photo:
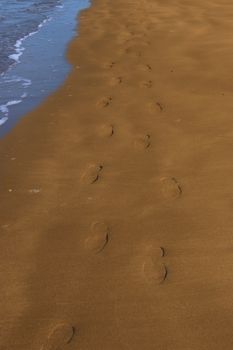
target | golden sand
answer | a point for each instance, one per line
(117, 192)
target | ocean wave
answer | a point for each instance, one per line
(4, 108)
(8, 79)
(19, 43)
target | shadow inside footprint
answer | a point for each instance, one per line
(132, 50)
(154, 107)
(59, 336)
(115, 81)
(147, 84)
(110, 65)
(104, 102)
(98, 238)
(142, 142)
(162, 252)
(171, 188)
(160, 106)
(106, 130)
(145, 67)
(92, 174)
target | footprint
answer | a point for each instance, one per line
(154, 271)
(104, 102)
(106, 130)
(171, 188)
(148, 84)
(142, 142)
(99, 237)
(153, 106)
(115, 81)
(135, 39)
(92, 174)
(133, 51)
(59, 336)
(146, 67)
(153, 268)
(160, 106)
(110, 65)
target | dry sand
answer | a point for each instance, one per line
(117, 193)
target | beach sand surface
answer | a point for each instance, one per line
(117, 192)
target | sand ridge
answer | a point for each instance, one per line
(116, 193)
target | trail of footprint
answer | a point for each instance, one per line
(104, 102)
(92, 174)
(171, 189)
(99, 237)
(106, 130)
(142, 142)
(59, 336)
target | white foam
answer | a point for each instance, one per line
(42, 23)
(14, 102)
(16, 56)
(26, 82)
(24, 95)
(3, 120)
(4, 108)
(15, 79)
(11, 80)
(18, 45)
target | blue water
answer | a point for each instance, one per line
(32, 54)
(18, 18)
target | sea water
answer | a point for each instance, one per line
(34, 35)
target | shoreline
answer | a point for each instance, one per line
(19, 45)
(42, 67)
(116, 192)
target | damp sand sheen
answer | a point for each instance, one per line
(116, 193)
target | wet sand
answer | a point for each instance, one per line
(117, 193)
